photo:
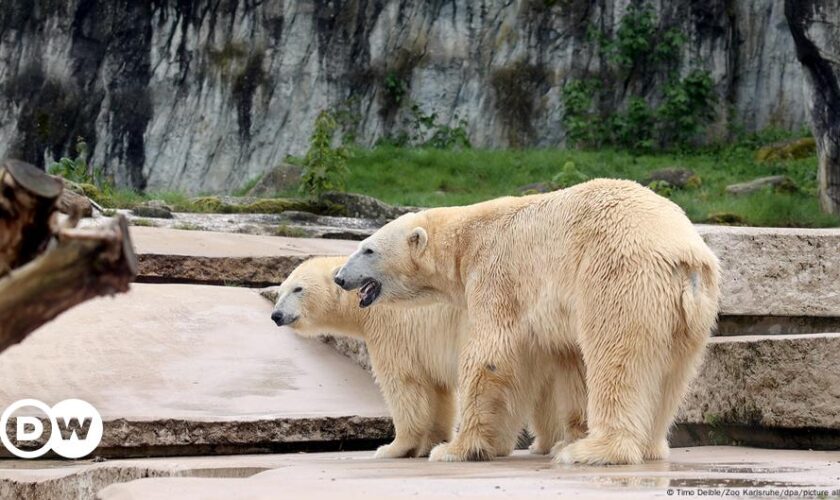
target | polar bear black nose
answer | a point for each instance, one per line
(339, 281)
(277, 317)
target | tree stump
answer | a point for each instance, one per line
(47, 265)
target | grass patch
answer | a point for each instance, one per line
(446, 177)
(435, 177)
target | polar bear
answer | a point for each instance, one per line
(606, 268)
(414, 353)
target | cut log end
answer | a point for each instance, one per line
(47, 267)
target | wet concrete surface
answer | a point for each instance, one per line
(705, 471)
(150, 240)
(190, 360)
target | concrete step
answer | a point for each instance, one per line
(777, 271)
(181, 256)
(775, 391)
(177, 369)
(784, 276)
(778, 391)
(356, 475)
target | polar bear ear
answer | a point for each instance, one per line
(418, 238)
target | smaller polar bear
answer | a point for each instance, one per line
(414, 352)
(606, 273)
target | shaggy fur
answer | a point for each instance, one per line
(605, 275)
(414, 353)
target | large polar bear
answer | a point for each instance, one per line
(414, 354)
(606, 267)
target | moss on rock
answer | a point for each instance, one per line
(787, 150)
(215, 204)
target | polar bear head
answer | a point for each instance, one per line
(308, 299)
(392, 265)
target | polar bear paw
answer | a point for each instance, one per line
(400, 450)
(454, 452)
(658, 451)
(601, 451)
(540, 447)
(443, 453)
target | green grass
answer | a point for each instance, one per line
(434, 177)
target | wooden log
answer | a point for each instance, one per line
(27, 201)
(82, 265)
(46, 264)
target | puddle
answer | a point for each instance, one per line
(734, 468)
(728, 482)
(681, 482)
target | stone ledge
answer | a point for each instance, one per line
(772, 383)
(766, 271)
(237, 271)
(777, 271)
(129, 438)
(779, 381)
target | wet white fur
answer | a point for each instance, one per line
(414, 353)
(606, 274)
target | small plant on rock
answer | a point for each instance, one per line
(77, 169)
(662, 188)
(568, 176)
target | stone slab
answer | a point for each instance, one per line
(173, 255)
(192, 365)
(773, 390)
(777, 271)
(357, 475)
(778, 381)
(299, 224)
(766, 271)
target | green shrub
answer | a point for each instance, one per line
(688, 106)
(568, 176)
(325, 166)
(77, 169)
(641, 49)
(662, 188)
(424, 130)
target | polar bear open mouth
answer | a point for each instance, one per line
(369, 292)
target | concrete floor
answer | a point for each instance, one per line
(709, 470)
(185, 352)
(152, 240)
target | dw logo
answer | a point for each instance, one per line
(75, 428)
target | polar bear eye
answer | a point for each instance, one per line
(368, 251)
(297, 289)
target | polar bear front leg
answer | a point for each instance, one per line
(489, 402)
(411, 405)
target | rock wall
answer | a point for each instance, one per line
(203, 95)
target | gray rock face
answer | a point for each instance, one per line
(204, 96)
